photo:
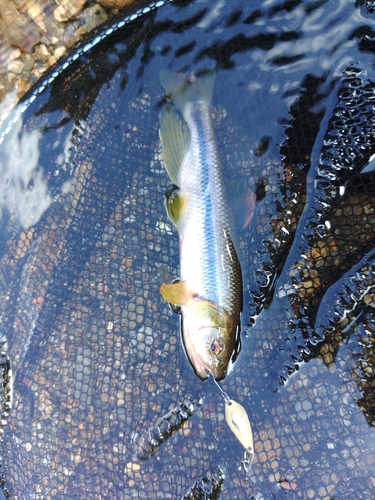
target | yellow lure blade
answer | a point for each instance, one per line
(239, 423)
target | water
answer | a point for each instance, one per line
(97, 364)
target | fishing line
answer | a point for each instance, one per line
(223, 393)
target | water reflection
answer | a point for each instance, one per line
(24, 190)
(95, 352)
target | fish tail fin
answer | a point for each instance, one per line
(183, 92)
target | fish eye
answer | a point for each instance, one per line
(217, 347)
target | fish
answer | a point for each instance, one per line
(210, 291)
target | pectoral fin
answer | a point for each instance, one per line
(175, 203)
(239, 423)
(176, 293)
(175, 140)
(242, 200)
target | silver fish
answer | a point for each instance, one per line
(210, 290)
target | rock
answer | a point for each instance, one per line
(92, 17)
(37, 15)
(17, 29)
(41, 53)
(15, 54)
(59, 51)
(68, 9)
(16, 66)
(115, 4)
(29, 64)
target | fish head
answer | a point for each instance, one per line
(209, 336)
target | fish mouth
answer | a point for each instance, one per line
(200, 371)
(219, 372)
(203, 371)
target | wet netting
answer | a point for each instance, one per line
(98, 398)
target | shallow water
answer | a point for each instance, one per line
(95, 352)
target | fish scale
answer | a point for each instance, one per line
(208, 210)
